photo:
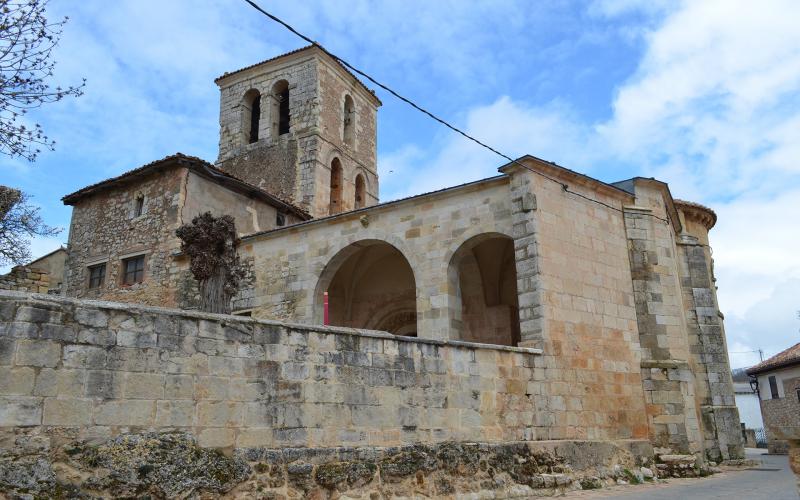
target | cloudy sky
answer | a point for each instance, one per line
(703, 94)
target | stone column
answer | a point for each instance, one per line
(667, 378)
(523, 209)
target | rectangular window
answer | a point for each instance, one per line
(773, 387)
(133, 270)
(798, 395)
(97, 275)
(138, 207)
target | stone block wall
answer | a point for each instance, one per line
(297, 165)
(120, 400)
(576, 302)
(108, 368)
(26, 279)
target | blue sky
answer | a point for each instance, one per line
(704, 95)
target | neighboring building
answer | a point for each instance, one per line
(779, 390)
(614, 282)
(749, 405)
(43, 275)
(53, 264)
(122, 242)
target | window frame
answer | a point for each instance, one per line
(102, 277)
(773, 387)
(138, 205)
(137, 273)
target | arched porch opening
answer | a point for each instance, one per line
(370, 285)
(483, 274)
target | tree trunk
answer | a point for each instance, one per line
(212, 293)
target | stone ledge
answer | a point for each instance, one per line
(226, 318)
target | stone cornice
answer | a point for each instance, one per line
(697, 213)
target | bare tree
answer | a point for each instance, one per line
(19, 221)
(27, 40)
(210, 242)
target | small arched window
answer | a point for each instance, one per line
(360, 191)
(349, 116)
(336, 187)
(280, 108)
(252, 114)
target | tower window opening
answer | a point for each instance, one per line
(281, 120)
(336, 187)
(349, 119)
(255, 118)
(360, 191)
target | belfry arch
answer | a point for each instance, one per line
(483, 280)
(370, 285)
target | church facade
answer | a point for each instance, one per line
(613, 282)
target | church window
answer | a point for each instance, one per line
(336, 187)
(138, 206)
(349, 116)
(280, 108)
(360, 191)
(280, 219)
(252, 115)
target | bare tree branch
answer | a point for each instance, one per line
(27, 41)
(19, 221)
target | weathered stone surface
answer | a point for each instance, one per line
(169, 465)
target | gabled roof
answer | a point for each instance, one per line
(789, 357)
(566, 173)
(59, 249)
(307, 48)
(196, 165)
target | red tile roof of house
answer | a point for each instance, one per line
(195, 164)
(789, 357)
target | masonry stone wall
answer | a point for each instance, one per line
(26, 279)
(234, 381)
(104, 230)
(575, 278)
(297, 165)
(782, 414)
(706, 337)
(121, 400)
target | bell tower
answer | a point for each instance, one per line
(303, 128)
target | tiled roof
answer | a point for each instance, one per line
(789, 357)
(295, 51)
(194, 163)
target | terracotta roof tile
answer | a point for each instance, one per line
(790, 356)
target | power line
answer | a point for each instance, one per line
(411, 103)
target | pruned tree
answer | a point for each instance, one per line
(210, 242)
(19, 221)
(27, 40)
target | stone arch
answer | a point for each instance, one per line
(371, 284)
(348, 121)
(280, 112)
(336, 187)
(251, 115)
(482, 285)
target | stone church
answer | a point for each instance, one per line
(617, 299)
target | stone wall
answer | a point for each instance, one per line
(123, 400)
(782, 414)
(238, 382)
(26, 279)
(706, 336)
(297, 165)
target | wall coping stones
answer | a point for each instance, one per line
(182, 313)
